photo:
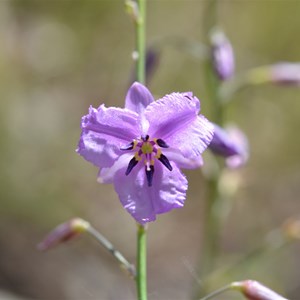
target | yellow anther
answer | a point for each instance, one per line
(158, 154)
(136, 156)
(135, 142)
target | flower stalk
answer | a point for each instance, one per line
(141, 278)
(114, 252)
(140, 41)
(213, 205)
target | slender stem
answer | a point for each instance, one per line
(212, 217)
(212, 226)
(217, 292)
(141, 278)
(115, 253)
(140, 41)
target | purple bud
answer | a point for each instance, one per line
(222, 55)
(63, 232)
(285, 73)
(253, 290)
(231, 144)
(152, 62)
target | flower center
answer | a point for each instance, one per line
(147, 150)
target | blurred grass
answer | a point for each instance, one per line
(59, 57)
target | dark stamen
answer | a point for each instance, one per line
(145, 138)
(133, 162)
(127, 147)
(162, 143)
(164, 160)
(149, 174)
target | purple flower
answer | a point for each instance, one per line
(223, 55)
(231, 144)
(141, 148)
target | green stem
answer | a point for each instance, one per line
(217, 292)
(141, 278)
(212, 217)
(110, 247)
(140, 41)
(212, 226)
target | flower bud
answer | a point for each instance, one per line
(64, 232)
(253, 290)
(231, 144)
(285, 73)
(222, 55)
(151, 63)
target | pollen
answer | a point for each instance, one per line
(147, 148)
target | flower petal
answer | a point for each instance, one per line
(104, 131)
(106, 175)
(175, 119)
(138, 98)
(181, 161)
(168, 191)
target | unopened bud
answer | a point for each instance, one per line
(152, 62)
(64, 232)
(254, 290)
(285, 73)
(222, 55)
(230, 143)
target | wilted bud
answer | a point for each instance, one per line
(131, 8)
(231, 144)
(222, 55)
(285, 73)
(291, 228)
(64, 232)
(253, 290)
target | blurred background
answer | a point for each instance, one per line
(59, 57)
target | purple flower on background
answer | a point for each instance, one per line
(222, 55)
(231, 144)
(141, 148)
